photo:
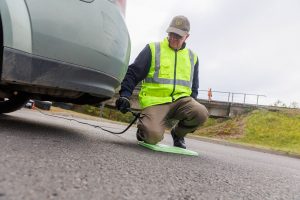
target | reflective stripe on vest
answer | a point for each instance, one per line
(156, 79)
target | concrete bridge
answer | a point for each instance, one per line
(215, 108)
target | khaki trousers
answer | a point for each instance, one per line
(152, 124)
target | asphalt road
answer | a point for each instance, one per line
(48, 158)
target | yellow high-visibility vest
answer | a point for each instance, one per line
(170, 76)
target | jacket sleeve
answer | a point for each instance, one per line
(136, 72)
(195, 85)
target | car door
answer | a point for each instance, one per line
(82, 32)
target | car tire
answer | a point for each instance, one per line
(14, 103)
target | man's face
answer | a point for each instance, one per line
(176, 41)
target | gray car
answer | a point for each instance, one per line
(73, 51)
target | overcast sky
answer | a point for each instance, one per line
(246, 46)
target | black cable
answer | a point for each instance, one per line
(136, 116)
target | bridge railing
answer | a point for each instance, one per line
(231, 97)
(223, 104)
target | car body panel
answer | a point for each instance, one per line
(99, 21)
(63, 50)
(16, 25)
(32, 71)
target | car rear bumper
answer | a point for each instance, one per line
(21, 68)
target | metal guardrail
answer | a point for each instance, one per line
(231, 96)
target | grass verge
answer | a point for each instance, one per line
(261, 128)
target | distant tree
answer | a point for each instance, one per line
(294, 104)
(279, 103)
(283, 105)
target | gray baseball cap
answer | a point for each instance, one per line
(179, 25)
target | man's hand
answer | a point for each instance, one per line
(123, 104)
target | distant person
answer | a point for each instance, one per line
(209, 94)
(169, 74)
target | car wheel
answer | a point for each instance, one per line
(13, 103)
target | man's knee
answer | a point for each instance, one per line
(154, 138)
(201, 114)
(152, 135)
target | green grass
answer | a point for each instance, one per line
(261, 128)
(221, 128)
(276, 130)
